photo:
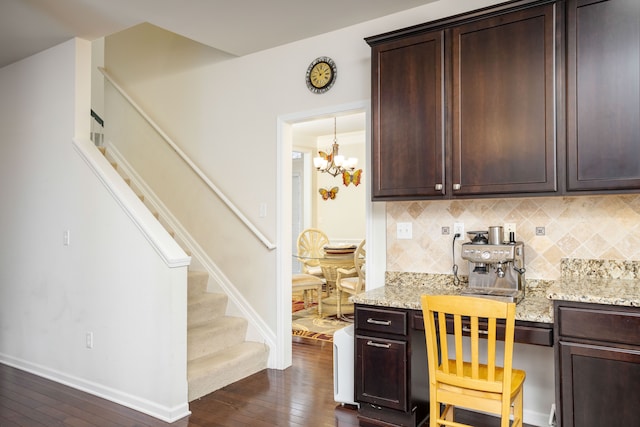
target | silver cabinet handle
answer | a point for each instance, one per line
(456, 186)
(468, 329)
(379, 322)
(438, 187)
(375, 344)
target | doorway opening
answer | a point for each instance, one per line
(372, 222)
(334, 204)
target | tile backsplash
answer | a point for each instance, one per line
(584, 227)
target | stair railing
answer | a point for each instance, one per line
(190, 163)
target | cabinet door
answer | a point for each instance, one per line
(603, 94)
(504, 104)
(598, 385)
(408, 141)
(381, 372)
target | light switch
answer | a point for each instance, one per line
(404, 230)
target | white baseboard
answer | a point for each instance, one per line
(164, 413)
(539, 419)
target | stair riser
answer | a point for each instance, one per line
(217, 338)
(206, 310)
(223, 369)
(197, 284)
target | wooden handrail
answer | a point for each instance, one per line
(188, 161)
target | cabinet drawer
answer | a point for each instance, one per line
(381, 320)
(618, 324)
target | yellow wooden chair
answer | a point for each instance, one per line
(351, 281)
(470, 384)
(310, 246)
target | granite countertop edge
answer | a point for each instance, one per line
(621, 292)
(403, 290)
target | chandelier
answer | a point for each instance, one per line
(333, 163)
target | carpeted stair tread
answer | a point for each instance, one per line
(205, 308)
(212, 337)
(215, 371)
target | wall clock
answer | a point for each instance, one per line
(321, 74)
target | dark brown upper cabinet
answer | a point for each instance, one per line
(503, 125)
(603, 95)
(466, 106)
(408, 139)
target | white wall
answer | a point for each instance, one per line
(108, 281)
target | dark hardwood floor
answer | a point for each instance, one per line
(301, 395)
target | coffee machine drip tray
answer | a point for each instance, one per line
(500, 294)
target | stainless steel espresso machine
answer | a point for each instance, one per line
(496, 266)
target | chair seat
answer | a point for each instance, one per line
(517, 380)
(307, 282)
(315, 271)
(349, 283)
(301, 280)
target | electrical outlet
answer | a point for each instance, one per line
(540, 231)
(66, 238)
(458, 228)
(404, 230)
(445, 231)
(509, 227)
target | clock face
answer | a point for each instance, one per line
(321, 75)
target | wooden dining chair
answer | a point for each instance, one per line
(310, 246)
(469, 383)
(307, 283)
(351, 281)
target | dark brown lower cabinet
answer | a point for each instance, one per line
(391, 362)
(391, 371)
(597, 365)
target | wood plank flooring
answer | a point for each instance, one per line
(301, 395)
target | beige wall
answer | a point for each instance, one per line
(606, 227)
(343, 218)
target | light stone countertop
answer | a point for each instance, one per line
(598, 281)
(584, 280)
(597, 290)
(403, 290)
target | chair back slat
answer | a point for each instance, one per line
(442, 326)
(475, 353)
(491, 349)
(458, 349)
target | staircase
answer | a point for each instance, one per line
(217, 353)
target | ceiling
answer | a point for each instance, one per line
(237, 27)
(324, 125)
